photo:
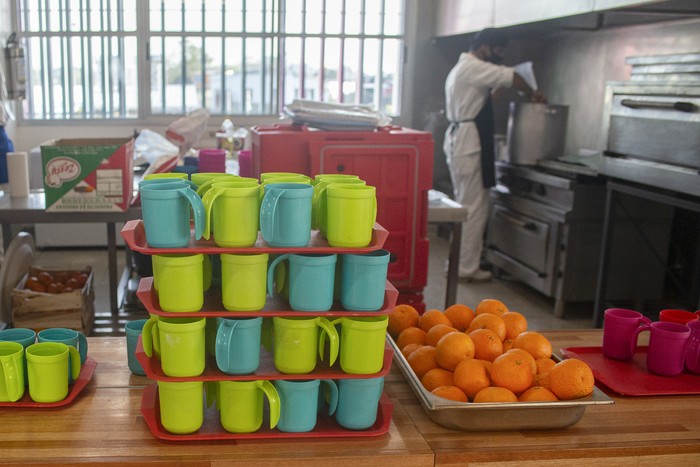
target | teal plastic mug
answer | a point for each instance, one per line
(157, 181)
(13, 371)
(241, 405)
(181, 406)
(47, 365)
(179, 281)
(299, 403)
(133, 330)
(358, 402)
(180, 343)
(235, 209)
(298, 343)
(243, 281)
(363, 280)
(24, 336)
(285, 214)
(238, 345)
(166, 214)
(362, 342)
(311, 280)
(350, 215)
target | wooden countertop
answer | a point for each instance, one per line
(104, 424)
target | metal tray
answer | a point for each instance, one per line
(502, 416)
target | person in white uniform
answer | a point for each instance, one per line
(468, 143)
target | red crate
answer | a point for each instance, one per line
(397, 161)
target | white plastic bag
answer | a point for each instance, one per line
(186, 131)
(150, 146)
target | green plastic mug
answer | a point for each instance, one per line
(166, 175)
(179, 281)
(350, 215)
(180, 342)
(241, 405)
(47, 365)
(205, 187)
(243, 281)
(12, 368)
(362, 342)
(319, 201)
(298, 343)
(181, 406)
(235, 209)
(265, 176)
(200, 178)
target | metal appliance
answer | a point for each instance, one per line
(536, 132)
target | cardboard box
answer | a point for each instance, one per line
(41, 310)
(88, 174)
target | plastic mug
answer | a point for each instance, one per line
(692, 358)
(265, 176)
(68, 337)
(619, 328)
(238, 345)
(678, 316)
(358, 402)
(319, 203)
(667, 347)
(179, 281)
(299, 403)
(181, 406)
(166, 176)
(180, 343)
(311, 280)
(298, 343)
(48, 364)
(133, 330)
(285, 214)
(363, 280)
(157, 181)
(166, 214)
(362, 342)
(350, 215)
(207, 271)
(241, 405)
(235, 208)
(321, 177)
(243, 281)
(204, 188)
(13, 371)
(24, 336)
(200, 178)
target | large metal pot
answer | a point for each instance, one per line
(536, 131)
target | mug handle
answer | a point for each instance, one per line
(15, 387)
(273, 398)
(223, 336)
(197, 209)
(74, 356)
(266, 334)
(271, 273)
(268, 207)
(82, 347)
(203, 189)
(332, 333)
(211, 392)
(208, 203)
(147, 339)
(635, 336)
(333, 403)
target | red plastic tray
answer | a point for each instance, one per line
(84, 378)
(135, 237)
(631, 378)
(326, 427)
(214, 308)
(266, 370)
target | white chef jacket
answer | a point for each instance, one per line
(466, 89)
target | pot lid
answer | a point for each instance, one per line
(16, 263)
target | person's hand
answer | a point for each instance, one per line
(539, 97)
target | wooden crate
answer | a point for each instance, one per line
(40, 310)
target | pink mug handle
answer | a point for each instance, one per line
(645, 327)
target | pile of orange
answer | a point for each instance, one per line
(484, 354)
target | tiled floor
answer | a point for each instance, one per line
(536, 307)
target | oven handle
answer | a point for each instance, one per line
(679, 105)
(518, 222)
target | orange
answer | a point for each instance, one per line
(452, 349)
(535, 343)
(450, 392)
(432, 317)
(508, 344)
(460, 315)
(515, 324)
(491, 305)
(422, 360)
(537, 394)
(487, 364)
(571, 379)
(542, 379)
(512, 371)
(544, 364)
(529, 358)
(495, 394)
(471, 377)
(436, 332)
(410, 336)
(437, 377)
(408, 348)
(487, 345)
(489, 321)
(401, 317)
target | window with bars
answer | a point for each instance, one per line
(128, 59)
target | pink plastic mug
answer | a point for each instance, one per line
(667, 347)
(692, 356)
(678, 316)
(619, 332)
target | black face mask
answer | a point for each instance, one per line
(494, 57)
